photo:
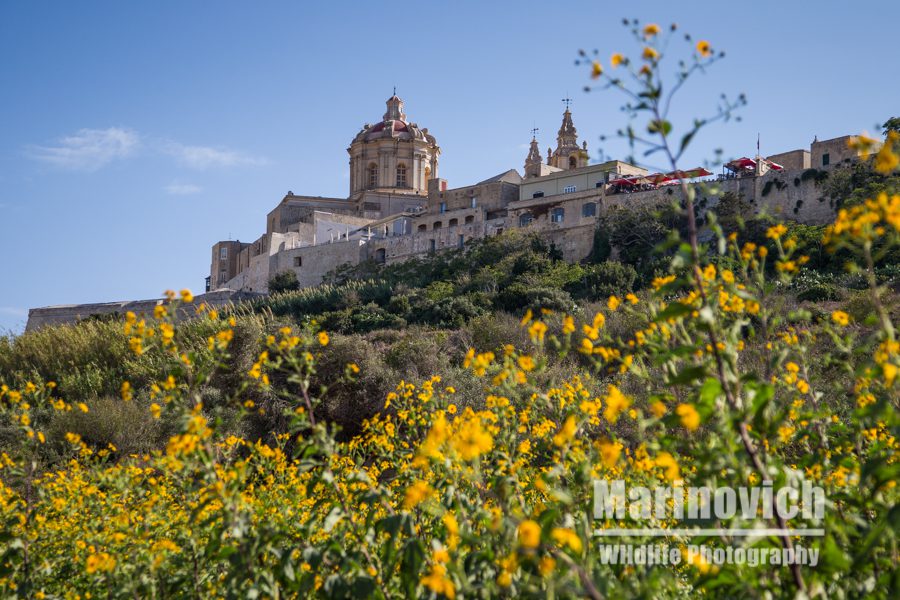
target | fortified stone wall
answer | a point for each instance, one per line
(72, 313)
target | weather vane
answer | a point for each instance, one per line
(534, 131)
(568, 101)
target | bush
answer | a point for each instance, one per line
(285, 281)
(520, 297)
(603, 280)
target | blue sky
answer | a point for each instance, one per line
(135, 135)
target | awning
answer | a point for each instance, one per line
(740, 164)
(658, 178)
(622, 181)
(689, 174)
(774, 165)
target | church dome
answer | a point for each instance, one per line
(393, 126)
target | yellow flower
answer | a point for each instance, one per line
(155, 410)
(187, 296)
(651, 30)
(416, 493)
(537, 331)
(567, 537)
(616, 402)
(886, 161)
(568, 325)
(529, 534)
(566, 433)
(669, 465)
(100, 562)
(126, 391)
(658, 409)
(632, 298)
(613, 303)
(840, 317)
(504, 579)
(609, 453)
(616, 60)
(323, 338)
(704, 49)
(526, 363)
(690, 418)
(82, 407)
(890, 373)
(438, 582)
(776, 231)
(650, 54)
(596, 70)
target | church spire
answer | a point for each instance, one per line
(568, 154)
(534, 160)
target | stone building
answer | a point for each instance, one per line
(398, 207)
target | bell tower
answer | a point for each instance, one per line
(568, 154)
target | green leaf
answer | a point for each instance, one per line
(710, 391)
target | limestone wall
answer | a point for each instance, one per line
(72, 313)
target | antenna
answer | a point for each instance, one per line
(395, 90)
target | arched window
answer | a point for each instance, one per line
(572, 162)
(557, 215)
(422, 227)
(525, 219)
(401, 175)
(380, 256)
(373, 175)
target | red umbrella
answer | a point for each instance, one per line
(658, 178)
(774, 165)
(741, 163)
(690, 174)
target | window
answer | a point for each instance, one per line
(298, 261)
(525, 219)
(470, 219)
(572, 162)
(453, 223)
(432, 245)
(380, 256)
(461, 240)
(589, 209)
(437, 225)
(569, 189)
(538, 195)
(557, 215)
(422, 227)
(443, 207)
(599, 184)
(474, 202)
(401, 176)
(826, 158)
(373, 175)
(223, 253)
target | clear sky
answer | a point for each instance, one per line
(133, 136)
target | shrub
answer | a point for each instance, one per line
(285, 281)
(603, 280)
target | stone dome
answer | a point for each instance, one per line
(393, 126)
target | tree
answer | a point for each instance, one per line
(892, 124)
(285, 281)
